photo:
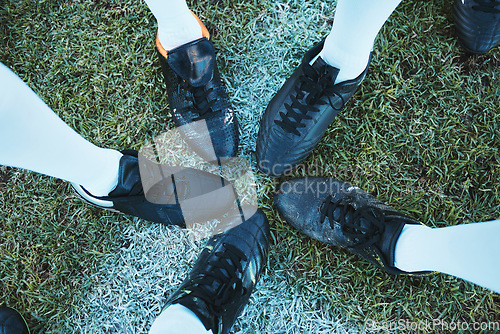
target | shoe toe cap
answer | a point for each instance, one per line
(296, 203)
(278, 156)
(303, 215)
(11, 321)
(299, 202)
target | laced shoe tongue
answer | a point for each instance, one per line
(205, 100)
(345, 212)
(209, 301)
(316, 81)
(215, 289)
(222, 282)
(200, 308)
(329, 72)
(324, 77)
(129, 180)
(357, 222)
(201, 305)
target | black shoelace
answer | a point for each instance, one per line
(203, 98)
(363, 226)
(226, 271)
(487, 6)
(312, 86)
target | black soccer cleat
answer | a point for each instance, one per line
(12, 322)
(128, 196)
(195, 92)
(172, 192)
(477, 23)
(299, 114)
(225, 274)
(340, 214)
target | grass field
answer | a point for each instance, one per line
(422, 133)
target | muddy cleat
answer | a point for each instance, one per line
(477, 23)
(12, 322)
(225, 274)
(340, 214)
(299, 114)
(195, 93)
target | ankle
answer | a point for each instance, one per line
(178, 319)
(349, 67)
(350, 62)
(179, 31)
(107, 180)
(414, 248)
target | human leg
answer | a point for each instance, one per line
(33, 137)
(299, 114)
(468, 251)
(178, 319)
(176, 23)
(340, 214)
(355, 27)
(221, 281)
(196, 94)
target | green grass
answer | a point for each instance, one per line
(422, 133)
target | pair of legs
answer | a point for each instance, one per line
(466, 251)
(452, 250)
(78, 161)
(31, 132)
(339, 214)
(34, 138)
(348, 47)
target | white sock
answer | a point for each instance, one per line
(355, 26)
(33, 137)
(468, 251)
(176, 23)
(177, 319)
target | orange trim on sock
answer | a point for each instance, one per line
(204, 29)
(160, 48)
(204, 32)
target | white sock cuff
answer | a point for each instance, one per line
(111, 160)
(342, 58)
(407, 254)
(178, 319)
(173, 38)
(176, 23)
